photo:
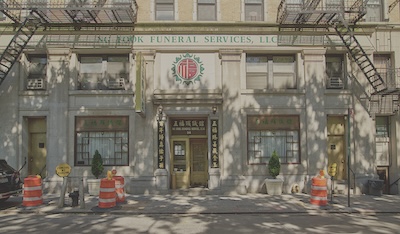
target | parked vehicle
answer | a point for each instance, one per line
(10, 181)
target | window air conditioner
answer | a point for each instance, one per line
(118, 83)
(35, 84)
(335, 82)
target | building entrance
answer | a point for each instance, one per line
(189, 152)
(336, 145)
(189, 163)
(37, 147)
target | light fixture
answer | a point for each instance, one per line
(214, 110)
(160, 114)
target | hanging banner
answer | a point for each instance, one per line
(214, 144)
(140, 98)
(161, 144)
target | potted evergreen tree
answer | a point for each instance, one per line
(97, 169)
(274, 185)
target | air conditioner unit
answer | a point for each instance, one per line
(35, 84)
(118, 83)
(335, 83)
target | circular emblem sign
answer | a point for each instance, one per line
(63, 170)
(187, 69)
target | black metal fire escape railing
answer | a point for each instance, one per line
(342, 17)
(30, 16)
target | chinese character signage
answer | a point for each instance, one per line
(273, 122)
(189, 126)
(104, 123)
(214, 144)
(161, 144)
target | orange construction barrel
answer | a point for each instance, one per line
(107, 196)
(319, 193)
(32, 191)
(119, 188)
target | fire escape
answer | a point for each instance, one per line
(29, 16)
(341, 16)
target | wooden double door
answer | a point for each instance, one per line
(189, 167)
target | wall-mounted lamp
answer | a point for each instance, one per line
(160, 114)
(214, 110)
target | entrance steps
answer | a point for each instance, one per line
(198, 191)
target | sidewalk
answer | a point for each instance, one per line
(217, 204)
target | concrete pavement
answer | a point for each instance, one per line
(215, 204)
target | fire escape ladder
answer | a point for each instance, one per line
(393, 5)
(5, 9)
(14, 49)
(361, 58)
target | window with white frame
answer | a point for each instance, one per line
(103, 72)
(266, 134)
(37, 70)
(335, 75)
(164, 9)
(107, 134)
(374, 11)
(206, 10)
(254, 10)
(271, 72)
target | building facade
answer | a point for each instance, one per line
(199, 93)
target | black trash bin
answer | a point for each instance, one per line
(375, 187)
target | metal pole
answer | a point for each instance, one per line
(348, 156)
(81, 194)
(63, 191)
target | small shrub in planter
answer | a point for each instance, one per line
(97, 164)
(274, 165)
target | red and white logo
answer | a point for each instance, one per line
(187, 69)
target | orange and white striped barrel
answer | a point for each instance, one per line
(32, 191)
(319, 193)
(119, 188)
(107, 195)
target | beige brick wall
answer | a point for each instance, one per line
(185, 10)
(272, 10)
(144, 10)
(230, 10)
(394, 15)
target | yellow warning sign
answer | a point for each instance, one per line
(63, 170)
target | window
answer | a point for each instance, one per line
(383, 65)
(335, 72)
(108, 135)
(164, 9)
(36, 72)
(271, 72)
(254, 10)
(103, 72)
(267, 134)
(382, 139)
(374, 11)
(206, 10)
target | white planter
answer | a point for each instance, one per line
(274, 186)
(93, 186)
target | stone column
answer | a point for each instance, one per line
(316, 117)
(231, 146)
(57, 121)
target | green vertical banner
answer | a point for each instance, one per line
(140, 98)
(214, 144)
(161, 144)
